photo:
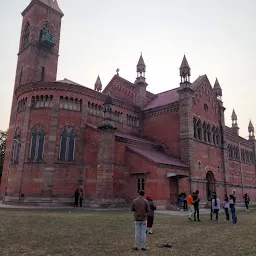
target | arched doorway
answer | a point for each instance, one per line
(210, 185)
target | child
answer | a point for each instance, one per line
(226, 206)
(216, 206)
(233, 208)
(150, 215)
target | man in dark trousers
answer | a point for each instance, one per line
(212, 196)
(196, 206)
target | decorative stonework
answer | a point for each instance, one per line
(43, 101)
(70, 103)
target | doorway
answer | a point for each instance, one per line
(210, 185)
(174, 190)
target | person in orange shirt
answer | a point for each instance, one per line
(191, 202)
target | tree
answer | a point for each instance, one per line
(3, 140)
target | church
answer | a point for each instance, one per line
(114, 141)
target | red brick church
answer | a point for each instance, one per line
(115, 141)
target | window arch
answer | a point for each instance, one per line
(16, 146)
(214, 135)
(199, 130)
(67, 144)
(217, 136)
(37, 143)
(25, 37)
(205, 131)
(209, 133)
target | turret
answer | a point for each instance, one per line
(98, 85)
(251, 131)
(217, 89)
(184, 71)
(234, 127)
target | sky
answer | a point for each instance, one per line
(99, 36)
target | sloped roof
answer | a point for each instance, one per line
(163, 98)
(67, 81)
(53, 4)
(198, 81)
(132, 137)
(157, 156)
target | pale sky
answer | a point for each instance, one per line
(99, 36)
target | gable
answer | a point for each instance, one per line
(121, 88)
(205, 104)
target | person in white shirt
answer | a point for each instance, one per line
(216, 206)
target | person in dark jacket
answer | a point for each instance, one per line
(140, 208)
(76, 198)
(196, 206)
(246, 201)
(150, 215)
(81, 197)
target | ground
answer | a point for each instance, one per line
(83, 232)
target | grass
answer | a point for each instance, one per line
(58, 232)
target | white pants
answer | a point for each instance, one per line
(191, 210)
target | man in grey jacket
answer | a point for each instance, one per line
(140, 208)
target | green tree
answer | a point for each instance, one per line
(3, 140)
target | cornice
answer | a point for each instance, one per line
(79, 89)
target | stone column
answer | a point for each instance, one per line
(49, 156)
(187, 144)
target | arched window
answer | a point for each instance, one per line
(217, 136)
(25, 36)
(37, 143)
(16, 146)
(214, 135)
(195, 128)
(140, 184)
(199, 130)
(67, 145)
(205, 131)
(209, 133)
(46, 36)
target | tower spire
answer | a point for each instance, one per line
(184, 70)
(141, 67)
(98, 84)
(235, 127)
(217, 89)
(251, 131)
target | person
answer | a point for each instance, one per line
(81, 197)
(185, 202)
(216, 206)
(179, 202)
(246, 201)
(211, 197)
(196, 206)
(140, 207)
(233, 208)
(76, 198)
(191, 205)
(234, 197)
(226, 206)
(150, 215)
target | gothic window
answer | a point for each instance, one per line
(16, 146)
(242, 155)
(25, 37)
(217, 136)
(37, 143)
(236, 153)
(45, 31)
(199, 130)
(205, 131)
(140, 184)
(195, 128)
(209, 134)
(67, 145)
(214, 135)
(42, 73)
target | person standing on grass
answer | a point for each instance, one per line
(140, 207)
(196, 206)
(233, 209)
(150, 215)
(81, 197)
(211, 197)
(226, 206)
(76, 198)
(191, 202)
(246, 202)
(216, 206)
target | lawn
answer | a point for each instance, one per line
(81, 232)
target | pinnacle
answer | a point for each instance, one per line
(250, 124)
(141, 61)
(184, 63)
(98, 81)
(216, 84)
(234, 116)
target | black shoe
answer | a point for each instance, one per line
(199, 220)
(143, 249)
(135, 248)
(189, 219)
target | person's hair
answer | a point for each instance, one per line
(215, 199)
(141, 193)
(231, 196)
(197, 192)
